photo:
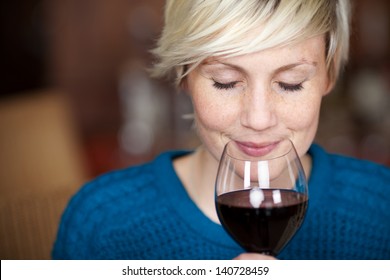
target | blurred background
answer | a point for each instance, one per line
(76, 101)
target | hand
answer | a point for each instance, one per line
(254, 256)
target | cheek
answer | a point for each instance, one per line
(304, 111)
(213, 112)
(303, 122)
(305, 114)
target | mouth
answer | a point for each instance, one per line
(257, 149)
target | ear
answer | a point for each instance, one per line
(331, 82)
(331, 78)
(183, 84)
(182, 87)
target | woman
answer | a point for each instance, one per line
(250, 67)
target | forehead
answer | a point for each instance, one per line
(307, 52)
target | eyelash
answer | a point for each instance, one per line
(227, 86)
(291, 87)
(284, 86)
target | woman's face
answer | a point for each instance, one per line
(268, 94)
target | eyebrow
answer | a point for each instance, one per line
(216, 62)
(278, 70)
(293, 65)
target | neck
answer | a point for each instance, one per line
(307, 164)
(197, 172)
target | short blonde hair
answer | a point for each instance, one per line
(198, 29)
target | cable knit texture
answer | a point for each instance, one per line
(144, 212)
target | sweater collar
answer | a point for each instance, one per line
(318, 183)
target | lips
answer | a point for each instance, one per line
(257, 150)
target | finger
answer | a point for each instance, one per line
(254, 256)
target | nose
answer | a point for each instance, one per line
(258, 112)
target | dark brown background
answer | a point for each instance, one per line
(75, 102)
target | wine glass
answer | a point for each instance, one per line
(261, 194)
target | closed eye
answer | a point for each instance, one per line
(290, 87)
(225, 86)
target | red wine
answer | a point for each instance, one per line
(268, 228)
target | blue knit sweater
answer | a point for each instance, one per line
(144, 212)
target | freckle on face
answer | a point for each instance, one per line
(219, 112)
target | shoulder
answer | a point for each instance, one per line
(117, 185)
(108, 202)
(353, 186)
(95, 208)
(108, 188)
(349, 169)
(347, 200)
